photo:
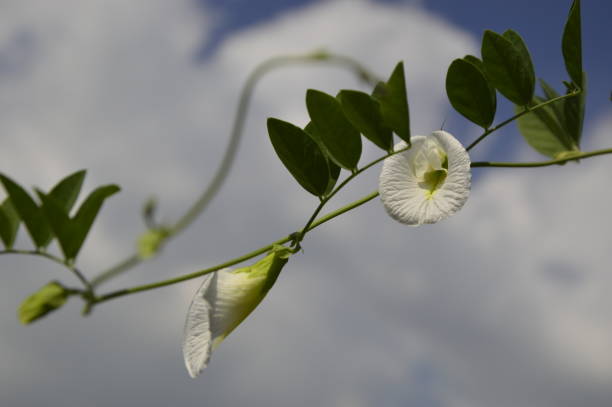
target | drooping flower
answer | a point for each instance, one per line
(225, 298)
(428, 182)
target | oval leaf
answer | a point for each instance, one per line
(526, 61)
(507, 69)
(363, 112)
(470, 93)
(338, 138)
(393, 101)
(301, 156)
(67, 190)
(574, 112)
(572, 44)
(31, 214)
(9, 223)
(538, 129)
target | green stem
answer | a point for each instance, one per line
(516, 116)
(326, 199)
(232, 147)
(88, 286)
(558, 161)
(313, 224)
(119, 268)
(261, 250)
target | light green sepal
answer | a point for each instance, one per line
(270, 267)
(49, 298)
(151, 242)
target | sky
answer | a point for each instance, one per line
(506, 303)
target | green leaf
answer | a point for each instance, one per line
(334, 170)
(334, 173)
(572, 44)
(337, 137)
(49, 298)
(364, 113)
(540, 129)
(469, 92)
(558, 109)
(574, 112)
(527, 63)
(394, 103)
(508, 67)
(301, 155)
(31, 214)
(67, 190)
(475, 61)
(71, 232)
(9, 223)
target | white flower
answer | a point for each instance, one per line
(223, 301)
(428, 182)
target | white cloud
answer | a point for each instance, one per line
(503, 304)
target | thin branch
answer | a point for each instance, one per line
(516, 116)
(559, 161)
(232, 147)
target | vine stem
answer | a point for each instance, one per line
(261, 250)
(326, 199)
(558, 161)
(516, 116)
(232, 147)
(312, 224)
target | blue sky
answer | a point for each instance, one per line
(504, 304)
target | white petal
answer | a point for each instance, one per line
(197, 340)
(222, 302)
(406, 200)
(234, 295)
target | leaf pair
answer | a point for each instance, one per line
(506, 66)
(51, 218)
(332, 139)
(556, 129)
(552, 130)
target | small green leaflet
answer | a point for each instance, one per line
(301, 156)
(337, 137)
(508, 66)
(469, 92)
(9, 223)
(393, 101)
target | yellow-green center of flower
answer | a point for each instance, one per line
(430, 166)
